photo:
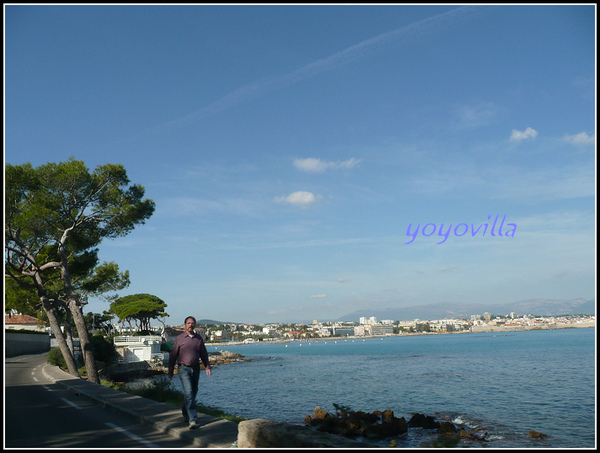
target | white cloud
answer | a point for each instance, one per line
(314, 165)
(311, 165)
(581, 139)
(473, 116)
(517, 136)
(318, 296)
(349, 163)
(450, 268)
(300, 198)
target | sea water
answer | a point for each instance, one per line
(505, 384)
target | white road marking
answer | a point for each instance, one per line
(133, 436)
(72, 403)
(48, 388)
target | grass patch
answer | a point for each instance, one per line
(218, 413)
(161, 392)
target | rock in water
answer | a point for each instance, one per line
(537, 435)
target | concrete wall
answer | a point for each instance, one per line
(25, 343)
(260, 433)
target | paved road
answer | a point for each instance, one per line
(42, 414)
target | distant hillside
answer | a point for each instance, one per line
(542, 307)
(201, 322)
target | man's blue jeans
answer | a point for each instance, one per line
(189, 381)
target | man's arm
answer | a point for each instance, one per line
(173, 357)
(204, 357)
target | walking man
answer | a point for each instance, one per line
(188, 350)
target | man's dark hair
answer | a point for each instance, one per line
(189, 318)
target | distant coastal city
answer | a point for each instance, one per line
(371, 326)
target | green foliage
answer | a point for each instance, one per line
(160, 391)
(99, 321)
(110, 384)
(56, 358)
(47, 205)
(48, 200)
(219, 413)
(341, 411)
(22, 299)
(103, 278)
(139, 307)
(104, 350)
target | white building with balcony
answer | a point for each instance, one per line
(139, 348)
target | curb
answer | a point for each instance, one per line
(213, 432)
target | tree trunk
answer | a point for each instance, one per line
(69, 331)
(60, 338)
(84, 340)
(72, 299)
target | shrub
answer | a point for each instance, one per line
(159, 390)
(56, 358)
(104, 350)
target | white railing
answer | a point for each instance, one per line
(137, 339)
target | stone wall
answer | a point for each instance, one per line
(25, 343)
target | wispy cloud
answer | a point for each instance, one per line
(313, 165)
(407, 35)
(473, 116)
(450, 268)
(517, 136)
(507, 182)
(189, 206)
(300, 198)
(581, 139)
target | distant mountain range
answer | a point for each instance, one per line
(541, 307)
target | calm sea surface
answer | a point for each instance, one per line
(505, 383)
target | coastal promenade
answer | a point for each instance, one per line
(213, 432)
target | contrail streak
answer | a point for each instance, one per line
(426, 28)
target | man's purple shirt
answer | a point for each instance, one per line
(188, 350)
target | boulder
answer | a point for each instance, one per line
(423, 421)
(261, 433)
(447, 428)
(320, 414)
(471, 435)
(537, 435)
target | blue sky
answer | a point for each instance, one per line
(289, 149)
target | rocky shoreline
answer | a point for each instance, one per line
(384, 426)
(123, 374)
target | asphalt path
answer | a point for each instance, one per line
(41, 414)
